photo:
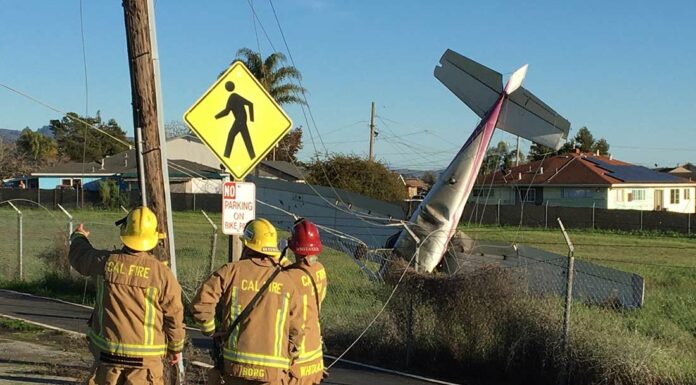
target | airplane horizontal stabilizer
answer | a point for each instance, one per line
(523, 114)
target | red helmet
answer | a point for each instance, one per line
(304, 238)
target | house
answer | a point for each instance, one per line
(184, 176)
(686, 171)
(193, 168)
(587, 180)
(415, 187)
(82, 175)
(194, 150)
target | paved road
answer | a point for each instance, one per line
(74, 317)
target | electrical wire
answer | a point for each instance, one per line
(130, 146)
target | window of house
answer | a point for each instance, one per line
(569, 192)
(687, 194)
(528, 195)
(478, 192)
(674, 196)
(620, 195)
(66, 182)
(636, 195)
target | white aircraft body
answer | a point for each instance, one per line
(511, 108)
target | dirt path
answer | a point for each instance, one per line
(37, 356)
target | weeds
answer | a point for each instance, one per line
(16, 325)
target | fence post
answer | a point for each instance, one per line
(70, 220)
(568, 300)
(546, 216)
(20, 243)
(497, 217)
(688, 224)
(213, 242)
(641, 220)
(593, 214)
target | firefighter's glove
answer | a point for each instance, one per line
(173, 358)
(80, 231)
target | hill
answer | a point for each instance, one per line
(8, 136)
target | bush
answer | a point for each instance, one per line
(55, 256)
(483, 324)
(353, 173)
(110, 195)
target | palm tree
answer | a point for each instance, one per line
(273, 76)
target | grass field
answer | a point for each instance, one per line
(664, 329)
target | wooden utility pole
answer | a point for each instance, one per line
(147, 115)
(372, 133)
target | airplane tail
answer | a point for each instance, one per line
(479, 87)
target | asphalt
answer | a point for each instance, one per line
(72, 317)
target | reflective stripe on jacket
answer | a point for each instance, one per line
(262, 346)
(138, 310)
(309, 365)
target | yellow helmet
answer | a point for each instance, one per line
(260, 236)
(140, 230)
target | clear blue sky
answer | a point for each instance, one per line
(625, 69)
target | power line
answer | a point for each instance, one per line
(253, 11)
(65, 114)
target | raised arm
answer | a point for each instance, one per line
(82, 256)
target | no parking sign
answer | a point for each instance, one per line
(238, 206)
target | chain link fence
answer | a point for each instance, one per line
(500, 311)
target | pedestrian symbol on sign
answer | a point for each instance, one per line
(236, 104)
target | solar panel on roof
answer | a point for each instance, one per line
(632, 173)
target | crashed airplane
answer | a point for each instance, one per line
(511, 108)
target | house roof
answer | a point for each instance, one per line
(114, 164)
(686, 171)
(579, 169)
(124, 164)
(415, 182)
(287, 168)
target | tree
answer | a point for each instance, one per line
(601, 146)
(176, 129)
(353, 173)
(288, 147)
(429, 178)
(539, 151)
(583, 140)
(37, 147)
(77, 141)
(496, 157)
(13, 162)
(273, 76)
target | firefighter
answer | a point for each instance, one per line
(138, 316)
(261, 346)
(309, 276)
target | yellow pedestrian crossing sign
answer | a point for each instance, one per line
(238, 120)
